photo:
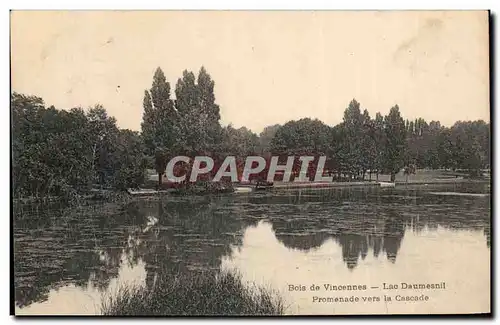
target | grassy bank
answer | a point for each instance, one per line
(194, 294)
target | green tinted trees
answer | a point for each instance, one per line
(395, 135)
(61, 153)
(56, 152)
(160, 121)
(379, 142)
(353, 137)
(51, 149)
(266, 136)
(305, 136)
(199, 115)
(240, 142)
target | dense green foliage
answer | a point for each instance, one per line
(68, 152)
(64, 152)
(190, 125)
(221, 293)
(240, 142)
(159, 118)
(386, 144)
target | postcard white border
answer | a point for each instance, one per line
(191, 5)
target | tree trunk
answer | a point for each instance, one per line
(370, 175)
(393, 177)
(377, 175)
(159, 180)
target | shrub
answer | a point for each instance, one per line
(210, 293)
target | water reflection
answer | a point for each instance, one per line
(59, 251)
(373, 219)
(57, 247)
(355, 235)
(457, 257)
(73, 299)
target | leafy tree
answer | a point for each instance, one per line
(187, 105)
(129, 161)
(395, 133)
(240, 142)
(210, 110)
(66, 152)
(470, 145)
(368, 145)
(161, 161)
(266, 136)
(51, 148)
(159, 122)
(380, 142)
(199, 114)
(339, 150)
(148, 124)
(304, 136)
(353, 124)
(102, 133)
(432, 143)
(445, 149)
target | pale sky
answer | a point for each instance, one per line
(268, 67)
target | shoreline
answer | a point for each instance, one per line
(145, 192)
(250, 188)
(292, 185)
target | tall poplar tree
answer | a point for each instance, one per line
(380, 139)
(159, 121)
(353, 131)
(395, 132)
(199, 114)
(209, 110)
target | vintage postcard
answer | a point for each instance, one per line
(250, 162)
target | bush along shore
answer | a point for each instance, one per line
(204, 187)
(193, 293)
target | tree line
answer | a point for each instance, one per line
(387, 144)
(66, 152)
(60, 152)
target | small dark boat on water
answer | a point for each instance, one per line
(263, 185)
(259, 185)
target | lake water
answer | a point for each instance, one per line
(67, 259)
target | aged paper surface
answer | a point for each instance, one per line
(138, 137)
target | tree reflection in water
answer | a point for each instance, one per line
(373, 220)
(56, 246)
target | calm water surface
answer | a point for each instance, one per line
(67, 259)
